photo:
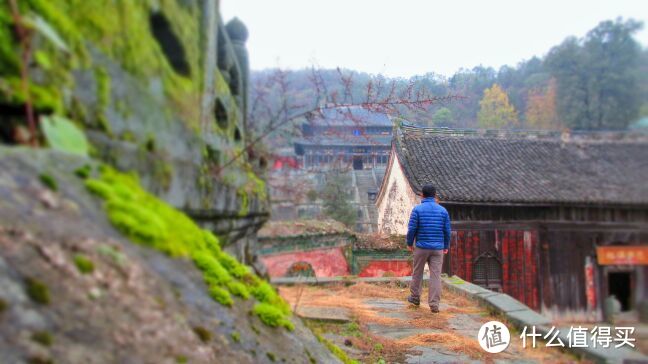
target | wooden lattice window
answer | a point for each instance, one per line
(487, 271)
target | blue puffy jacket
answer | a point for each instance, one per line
(429, 224)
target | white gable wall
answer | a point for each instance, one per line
(396, 200)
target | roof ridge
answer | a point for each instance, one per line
(564, 136)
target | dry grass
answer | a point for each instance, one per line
(353, 298)
(450, 341)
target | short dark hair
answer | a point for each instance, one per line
(429, 191)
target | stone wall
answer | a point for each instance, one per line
(159, 89)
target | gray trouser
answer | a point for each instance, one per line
(434, 259)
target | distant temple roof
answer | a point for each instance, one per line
(350, 116)
(526, 167)
(345, 140)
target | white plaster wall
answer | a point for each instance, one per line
(396, 201)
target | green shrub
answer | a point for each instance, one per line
(236, 336)
(83, 264)
(272, 316)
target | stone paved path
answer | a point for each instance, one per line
(409, 334)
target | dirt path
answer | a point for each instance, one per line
(382, 326)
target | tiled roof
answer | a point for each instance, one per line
(526, 169)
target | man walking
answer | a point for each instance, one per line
(429, 226)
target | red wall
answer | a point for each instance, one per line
(518, 255)
(378, 268)
(327, 262)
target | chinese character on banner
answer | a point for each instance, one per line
(531, 334)
(494, 337)
(623, 336)
(577, 337)
(601, 336)
(551, 342)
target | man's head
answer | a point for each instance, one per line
(429, 191)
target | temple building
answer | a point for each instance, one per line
(345, 136)
(558, 221)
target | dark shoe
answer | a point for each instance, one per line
(413, 300)
(434, 309)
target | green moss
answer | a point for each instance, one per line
(232, 265)
(149, 221)
(203, 334)
(310, 357)
(339, 353)
(162, 172)
(272, 316)
(238, 289)
(3, 306)
(220, 295)
(181, 359)
(245, 203)
(83, 172)
(271, 356)
(236, 336)
(43, 337)
(37, 291)
(48, 181)
(43, 60)
(265, 293)
(83, 264)
(127, 136)
(149, 145)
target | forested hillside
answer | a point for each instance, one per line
(597, 82)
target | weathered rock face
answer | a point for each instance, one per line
(73, 290)
(159, 88)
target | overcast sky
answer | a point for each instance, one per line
(409, 37)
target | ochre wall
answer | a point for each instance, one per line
(378, 268)
(328, 262)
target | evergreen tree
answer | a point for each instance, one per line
(337, 196)
(597, 77)
(443, 117)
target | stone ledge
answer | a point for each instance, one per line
(521, 315)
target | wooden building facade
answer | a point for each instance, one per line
(347, 136)
(560, 222)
